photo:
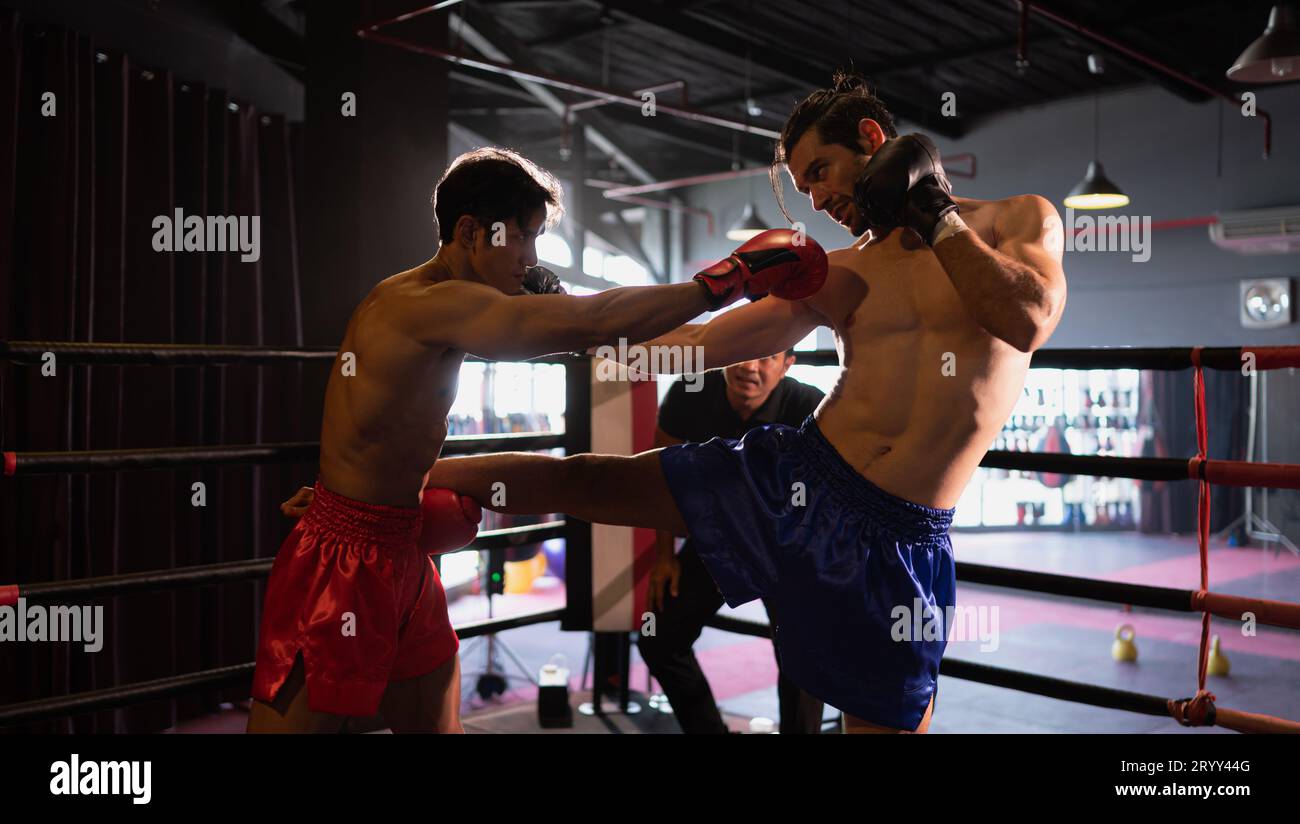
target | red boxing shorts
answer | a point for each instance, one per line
(353, 593)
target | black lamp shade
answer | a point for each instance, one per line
(1096, 191)
(1275, 56)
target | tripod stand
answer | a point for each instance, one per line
(492, 679)
(1255, 526)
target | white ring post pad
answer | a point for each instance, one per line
(623, 416)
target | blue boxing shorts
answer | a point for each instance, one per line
(779, 514)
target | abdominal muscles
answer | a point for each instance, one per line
(915, 416)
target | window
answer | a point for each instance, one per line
(554, 249)
(1093, 412)
(620, 269)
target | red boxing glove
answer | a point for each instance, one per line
(450, 521)
(771, 261)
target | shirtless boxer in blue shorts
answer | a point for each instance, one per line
(936, 307)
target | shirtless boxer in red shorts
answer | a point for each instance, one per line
(355, 619)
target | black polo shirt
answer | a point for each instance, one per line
(706, 413)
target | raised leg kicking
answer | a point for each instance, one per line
(843, 522)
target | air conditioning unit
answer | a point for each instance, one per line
(1258, 231)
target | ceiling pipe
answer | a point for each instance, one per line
(370, 31)
(550, 100)
(1128, 51)
(658, 87)
(566, 119)
(666, 205)
(601, 96)
(693, 180)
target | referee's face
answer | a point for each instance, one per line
(753, 380)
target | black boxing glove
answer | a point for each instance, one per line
(904, 184)
(539, 280)
(927, 202)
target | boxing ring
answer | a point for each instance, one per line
(577, 535)
(1198, 710)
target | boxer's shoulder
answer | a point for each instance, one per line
(417, 308)
(994, 219)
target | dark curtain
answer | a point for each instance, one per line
(1168, 408)
(78, 193)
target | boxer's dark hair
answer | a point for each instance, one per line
(491, 185)
(834, 113)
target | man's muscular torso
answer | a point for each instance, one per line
(384, 426)
(911, 426)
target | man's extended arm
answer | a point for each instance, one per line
(482, 321)
(1016, 291)
(755, 330)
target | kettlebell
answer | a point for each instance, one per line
(1124, 649)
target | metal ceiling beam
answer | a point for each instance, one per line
(709, 34)
(611, 118)
(1006, 46)
(1119, 50)
(603, 22)
(488, 49)
(670, 131)
(266, 33)
(467, 135)
(631, 244)
(488, 84)
(564, 37)
(498, 111)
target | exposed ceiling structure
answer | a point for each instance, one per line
(751, 60)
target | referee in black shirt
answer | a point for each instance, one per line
(682, 594)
